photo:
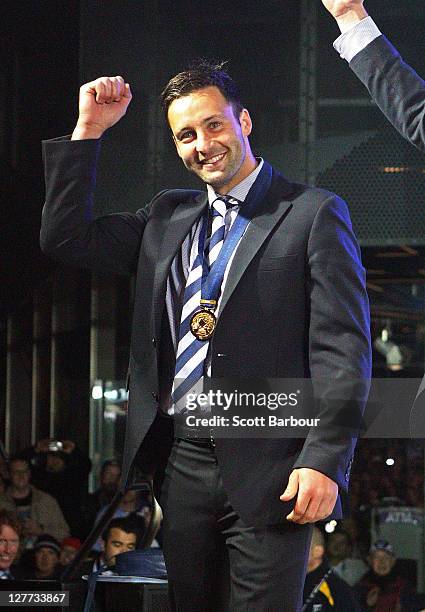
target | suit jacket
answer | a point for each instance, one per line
(294, 306)
(400, 93)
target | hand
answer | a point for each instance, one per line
(103, 103)
(316, 495)
(372, 597)
(42, 446)
(346, 12)
(68, 446)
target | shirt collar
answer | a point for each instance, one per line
(240, 191)
(5, 574)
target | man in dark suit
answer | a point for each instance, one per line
(395, 87)
(291, 304)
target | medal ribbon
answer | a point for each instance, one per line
(212, 279)
(191, 351)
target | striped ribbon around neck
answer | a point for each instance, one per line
(191, 353)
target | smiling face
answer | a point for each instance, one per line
(211, 141)
(9, 546)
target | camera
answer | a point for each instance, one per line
(55, 445)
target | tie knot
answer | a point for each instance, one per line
(221, 204)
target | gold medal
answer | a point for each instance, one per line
(202, 324)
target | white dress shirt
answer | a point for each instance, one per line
(356, 38)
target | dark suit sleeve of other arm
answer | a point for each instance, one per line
(339, 341)
(395, 87)
(69, 231)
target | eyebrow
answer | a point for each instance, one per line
(206, 120)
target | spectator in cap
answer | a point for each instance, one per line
(46, 558)
(69, 548)
(382, 589)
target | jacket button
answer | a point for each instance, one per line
(154, 341)
(155, 396)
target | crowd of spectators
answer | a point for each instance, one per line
(364, 567)
(46, 513)
(388, 472)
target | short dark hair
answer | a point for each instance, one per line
(10, 519)
(200, 74)
(130, 524)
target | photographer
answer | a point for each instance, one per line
(61, 469)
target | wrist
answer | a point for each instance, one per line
(349, 19)
(85, 131)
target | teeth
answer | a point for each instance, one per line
(214, 159)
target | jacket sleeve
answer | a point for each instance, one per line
(395, 87)
(69, 231)
(339, 342)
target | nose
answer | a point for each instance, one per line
(202, 142)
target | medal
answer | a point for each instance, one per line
(202, 324)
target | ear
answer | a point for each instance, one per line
(245, 122)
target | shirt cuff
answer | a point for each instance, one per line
(356, 38)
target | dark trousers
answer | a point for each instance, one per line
(215, 562)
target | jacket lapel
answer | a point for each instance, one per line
(268, 214)
(177, 228)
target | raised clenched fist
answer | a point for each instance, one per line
(346, 12)
(102, 103)
(339, 7)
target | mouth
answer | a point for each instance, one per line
(212, 162)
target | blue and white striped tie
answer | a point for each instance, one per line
(191, 353)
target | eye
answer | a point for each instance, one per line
(214, 125)
(187, 136)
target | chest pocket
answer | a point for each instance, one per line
(278, 263)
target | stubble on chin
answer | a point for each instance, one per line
(219, 181)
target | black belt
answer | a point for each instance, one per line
(194, 436)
